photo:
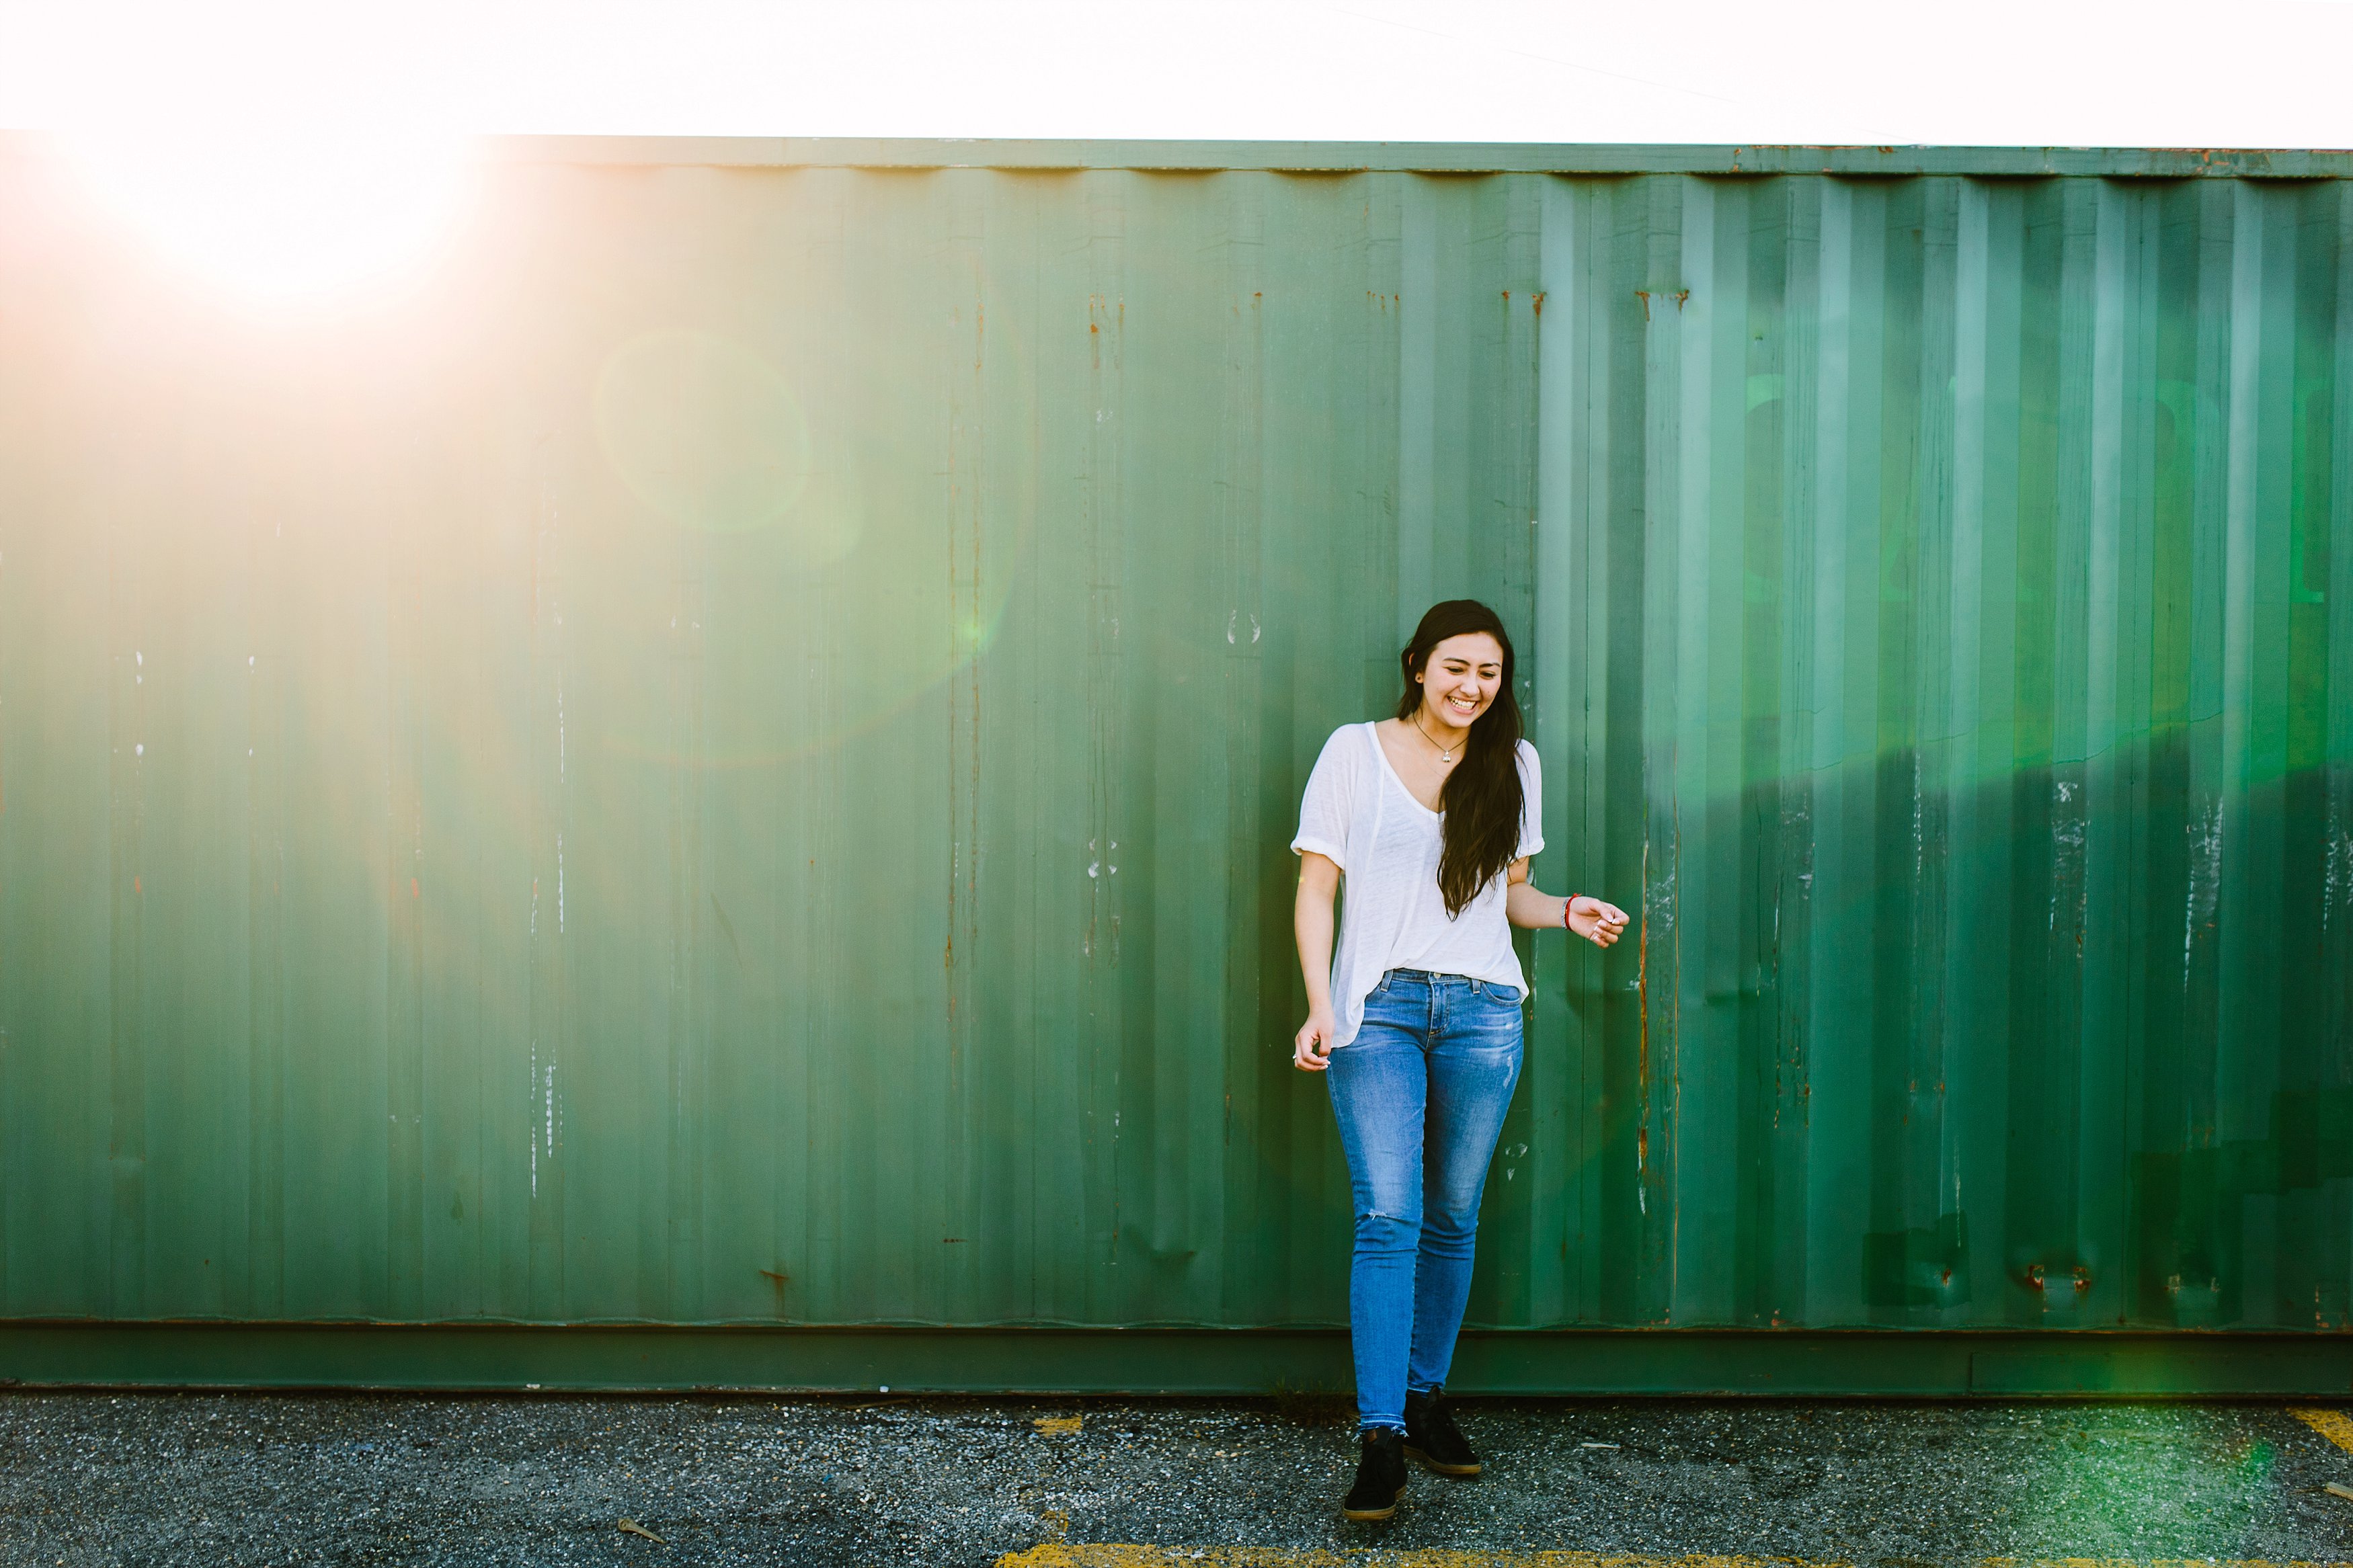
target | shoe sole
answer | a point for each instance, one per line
(1369, 1515)
(1460, 1471)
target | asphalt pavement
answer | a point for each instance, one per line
(216, 1480)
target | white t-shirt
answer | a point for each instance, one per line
(1359, 814)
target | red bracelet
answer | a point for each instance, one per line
(1567, 904)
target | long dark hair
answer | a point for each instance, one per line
(1481, 797)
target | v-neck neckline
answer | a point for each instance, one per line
(1390, 768)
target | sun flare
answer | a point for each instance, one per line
(280, 217)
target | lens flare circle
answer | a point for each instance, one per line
(701, 429)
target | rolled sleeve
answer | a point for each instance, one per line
(1531, 804)
(1324, 809)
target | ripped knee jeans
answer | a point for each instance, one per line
(1420, 1095)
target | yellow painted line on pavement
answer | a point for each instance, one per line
(1065, 1554)
(1062, 1554)
(2332, 1424)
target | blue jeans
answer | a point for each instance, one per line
(1420, 1093)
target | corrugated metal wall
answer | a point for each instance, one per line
(730, 760)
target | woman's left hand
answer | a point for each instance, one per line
(1598, 923)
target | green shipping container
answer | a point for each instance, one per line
(703, 798)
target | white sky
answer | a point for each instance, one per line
(2250, 73)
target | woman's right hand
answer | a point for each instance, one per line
(1312, 1051)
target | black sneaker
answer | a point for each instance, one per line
(1431, 1436)
(1380, 1475)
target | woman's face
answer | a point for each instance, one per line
(1461, 677)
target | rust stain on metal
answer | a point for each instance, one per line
(2038, 1278)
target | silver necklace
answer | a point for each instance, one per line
(1445, 754)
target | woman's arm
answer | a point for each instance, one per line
(1596, 921)
(1311, 922)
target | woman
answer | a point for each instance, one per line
(1431, 816)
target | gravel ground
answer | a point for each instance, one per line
(141, 1478)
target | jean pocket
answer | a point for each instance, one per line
(1505, 994)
